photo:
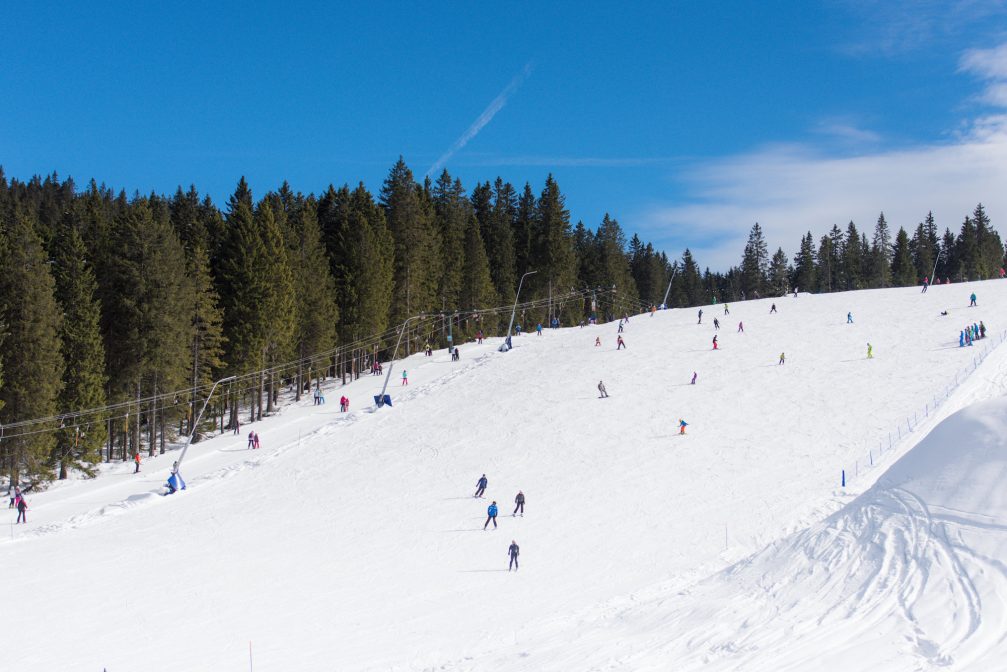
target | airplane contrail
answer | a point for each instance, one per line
(487, 115)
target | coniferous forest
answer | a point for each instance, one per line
(118, 312)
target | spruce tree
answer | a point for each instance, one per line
(31, 358)
(903, 269)
(524, 232)
(779, 280)
(477, 289)
(452, 212)
(852, 262)
(79, 444)
(967, 252)
(804, 264)
(613, 262)
(552, 254)
(205, 334)
(498, 235)
(881, 254)
(754, 263)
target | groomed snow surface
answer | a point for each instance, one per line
(352, 541)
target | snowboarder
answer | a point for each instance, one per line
(491, 514)
(714, 342)
(700, 316)
(716, 324)
(870, 351)
(481, 486)
(783, 358)
(849, 318)
(136, 459)
(251, 440)
(772, 308)
(22, 506)
(597, 341)
(694, 374)
(513, 552)
(682, 424)
(621, 344)
(601, 390)
(741, 327)
(972, 299)
(726, 311)
(405, 377)
(519, 502)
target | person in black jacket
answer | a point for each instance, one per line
(481, 486)
(513, 552)
(519, 501)
(22, 506)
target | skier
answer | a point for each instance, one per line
(251, 440)
(772, 309)
(870, 351)
(601, 390)
(343, 403)
(256, 446)
(726, 311)
(653, 309)
(982, 329)
(849, 318)
(972, 299)
(700, 316)
(716, 324)
(517, 328)
(513, 552)
(795, 292)
(22, 506)
(926, 283)
(538, 329)
(428, 351)
(714, 342)
(961, 339)
(318, 396)
(694, 374)
(479, 337)
(136, 459)
(14, 493)
(237, 427)
(621, 345)
(620, 326)
(481, 486)
(491, 514)
(405, 377)
(783, 358)
(682, 424)
(456, 355)
(741, 327)
(597, 341)
(519, 502)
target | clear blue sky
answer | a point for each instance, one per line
(650, 111)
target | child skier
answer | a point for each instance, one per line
(716, 324)
(621, 345)
(256, 443)
(961, 339)
(700, 316)
(405, 377)
(682, 424)
(513, 552)
(136, 459)
(519, 501)
(783, 358)
(972, 299)
(714, 342)
(870, 351)
(538, 329)
(694, 374)
(741, 327)
(251, 440)
(772, 308)
(726, 311)
(602, 394)
(481, 486)
(491, 514)
(849, 318)
(597, 341)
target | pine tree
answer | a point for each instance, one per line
(613, 263)
(498, 235)
(852, 261)
(804, 264)
(31, 359)
(552, 254)
(754, 263)
(990, 247)
(280, 304)
(881, 254)
(922, 248)
(79, 444)
(779, 279)
(409, 215)
(477, 289)
(452, 212)
(205, 333)
(524, 232)
(903, 269)
(967, 252)
(827, 261)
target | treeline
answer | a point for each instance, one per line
(114, 302)
(134, 305)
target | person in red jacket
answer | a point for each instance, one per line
(136, 458)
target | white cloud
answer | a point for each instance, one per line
(790, 190)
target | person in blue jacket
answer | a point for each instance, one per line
(491, 514)
(513, 552)
(481, 486)
(961, 338)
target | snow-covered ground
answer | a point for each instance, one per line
(352, 541)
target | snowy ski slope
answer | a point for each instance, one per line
(352, 541)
